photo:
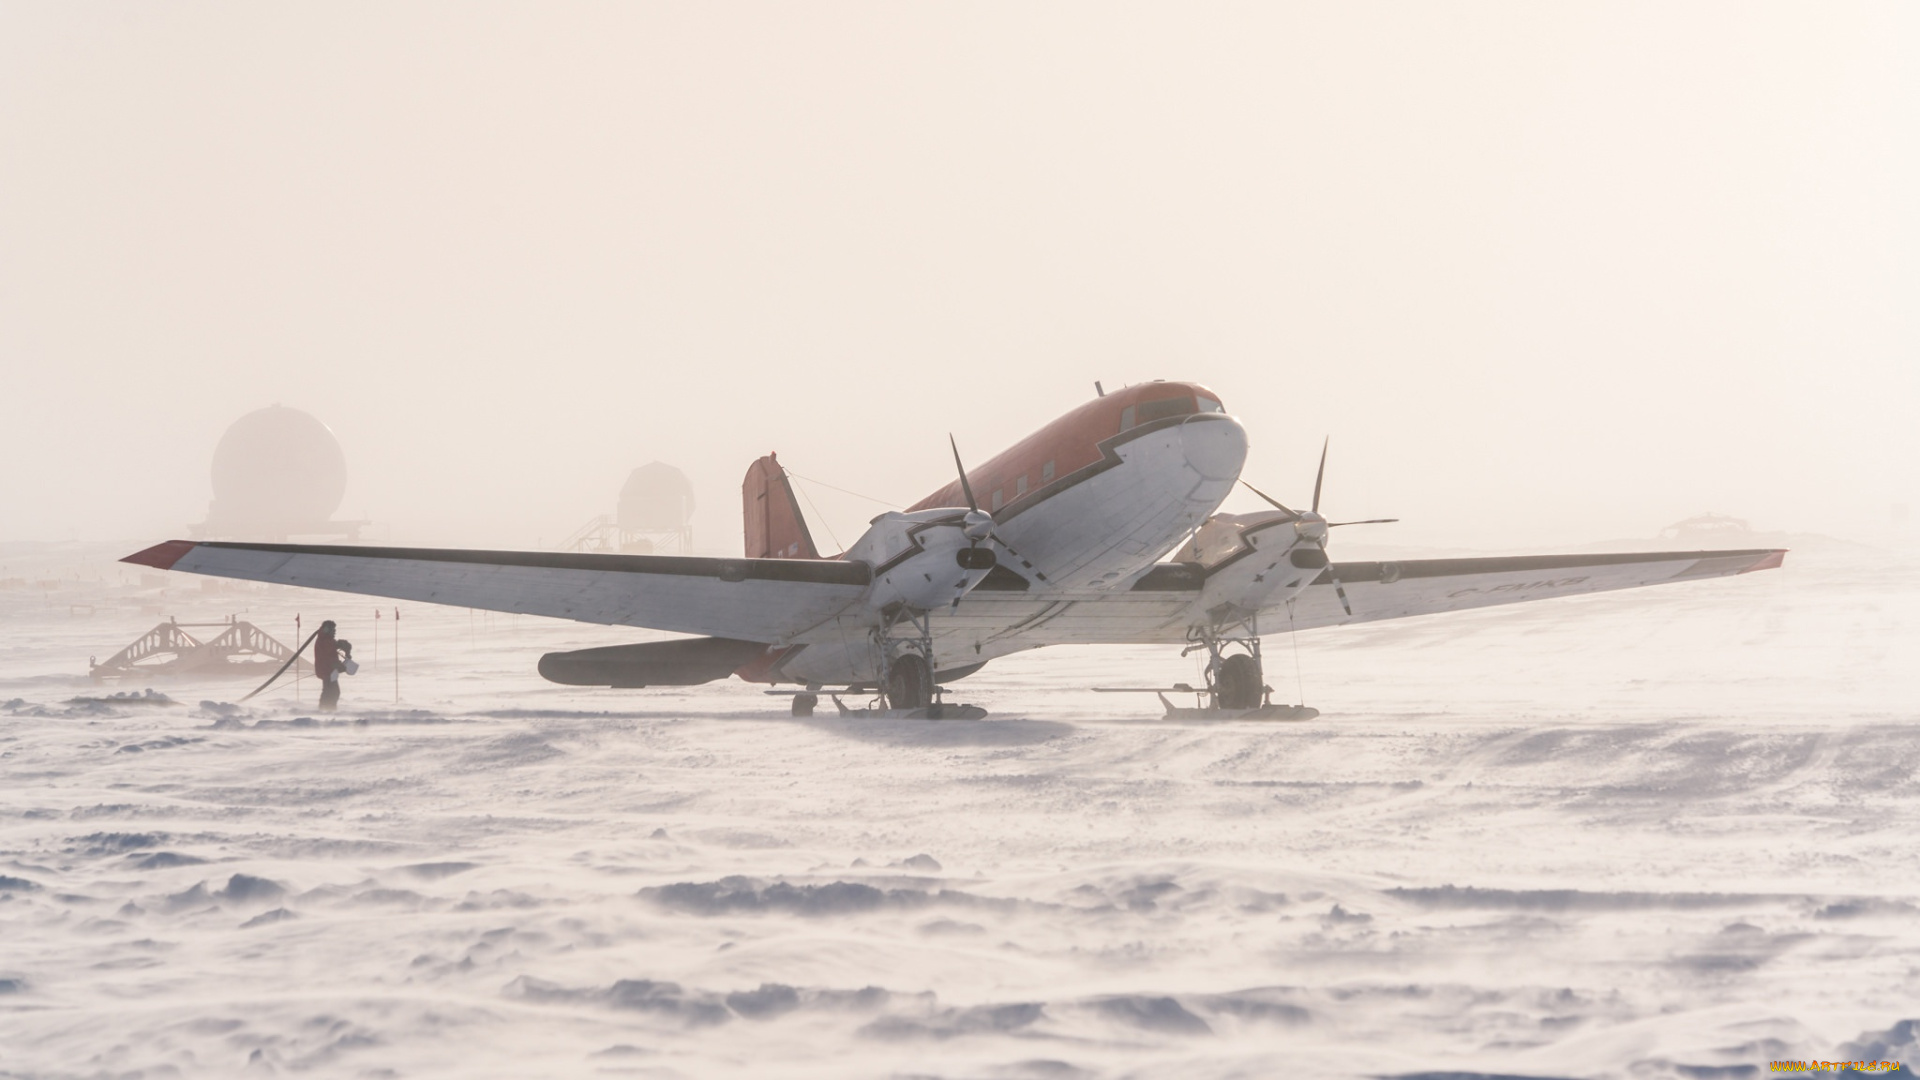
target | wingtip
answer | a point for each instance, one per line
(1772, 560)
(161, 556)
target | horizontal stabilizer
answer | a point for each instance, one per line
(683, 662)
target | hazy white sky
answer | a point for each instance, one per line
(1545, 272)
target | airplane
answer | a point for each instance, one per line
(1059, 539)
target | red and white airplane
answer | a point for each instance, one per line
(1057, 540)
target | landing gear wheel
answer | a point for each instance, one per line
(909, 683)
(803, 704)
(1239, 685)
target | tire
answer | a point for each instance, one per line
(803, 704)
(909, 684)
(1240, 684)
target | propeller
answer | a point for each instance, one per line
(978, 524)
(1339, 590)
(1321, 473)
(1312, 527)
(1271, 501)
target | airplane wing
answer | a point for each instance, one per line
(766, 600)
(1396, 590)
(818, 602)
(1159, 608)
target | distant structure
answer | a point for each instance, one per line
(277, 473)
(1708, 528)
(653, 516)
(240, 650)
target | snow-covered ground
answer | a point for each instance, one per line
(1666, 833)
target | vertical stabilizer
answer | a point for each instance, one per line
(775, 529)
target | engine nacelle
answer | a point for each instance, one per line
(1252, 561)
(924, 559)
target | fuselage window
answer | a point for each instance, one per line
(1126, 418)
(998, 502)
(1210, 405)
(1020, 486)
(1046, 473)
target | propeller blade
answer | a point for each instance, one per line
(1318, 476)
(1340, 591)
(1271, 501)
(1369, 521)
(965, 487)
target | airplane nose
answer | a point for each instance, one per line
(1215, 445)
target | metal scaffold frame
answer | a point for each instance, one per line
(225, 655)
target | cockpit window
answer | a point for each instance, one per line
(1209, 405)
(1146, 412)
(1160, 410)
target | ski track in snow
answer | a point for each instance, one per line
(1666, 833)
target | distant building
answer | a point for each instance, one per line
(653, 517)
(1708, 527)
(277, 473)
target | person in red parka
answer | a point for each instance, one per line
(326, 666)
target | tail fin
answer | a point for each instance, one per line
(775, 529)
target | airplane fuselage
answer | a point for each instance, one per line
(1089, 503)
(1096, 497)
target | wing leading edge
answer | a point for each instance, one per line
(764, 600)
(1398, 590)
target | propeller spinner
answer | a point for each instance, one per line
(978, 524)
